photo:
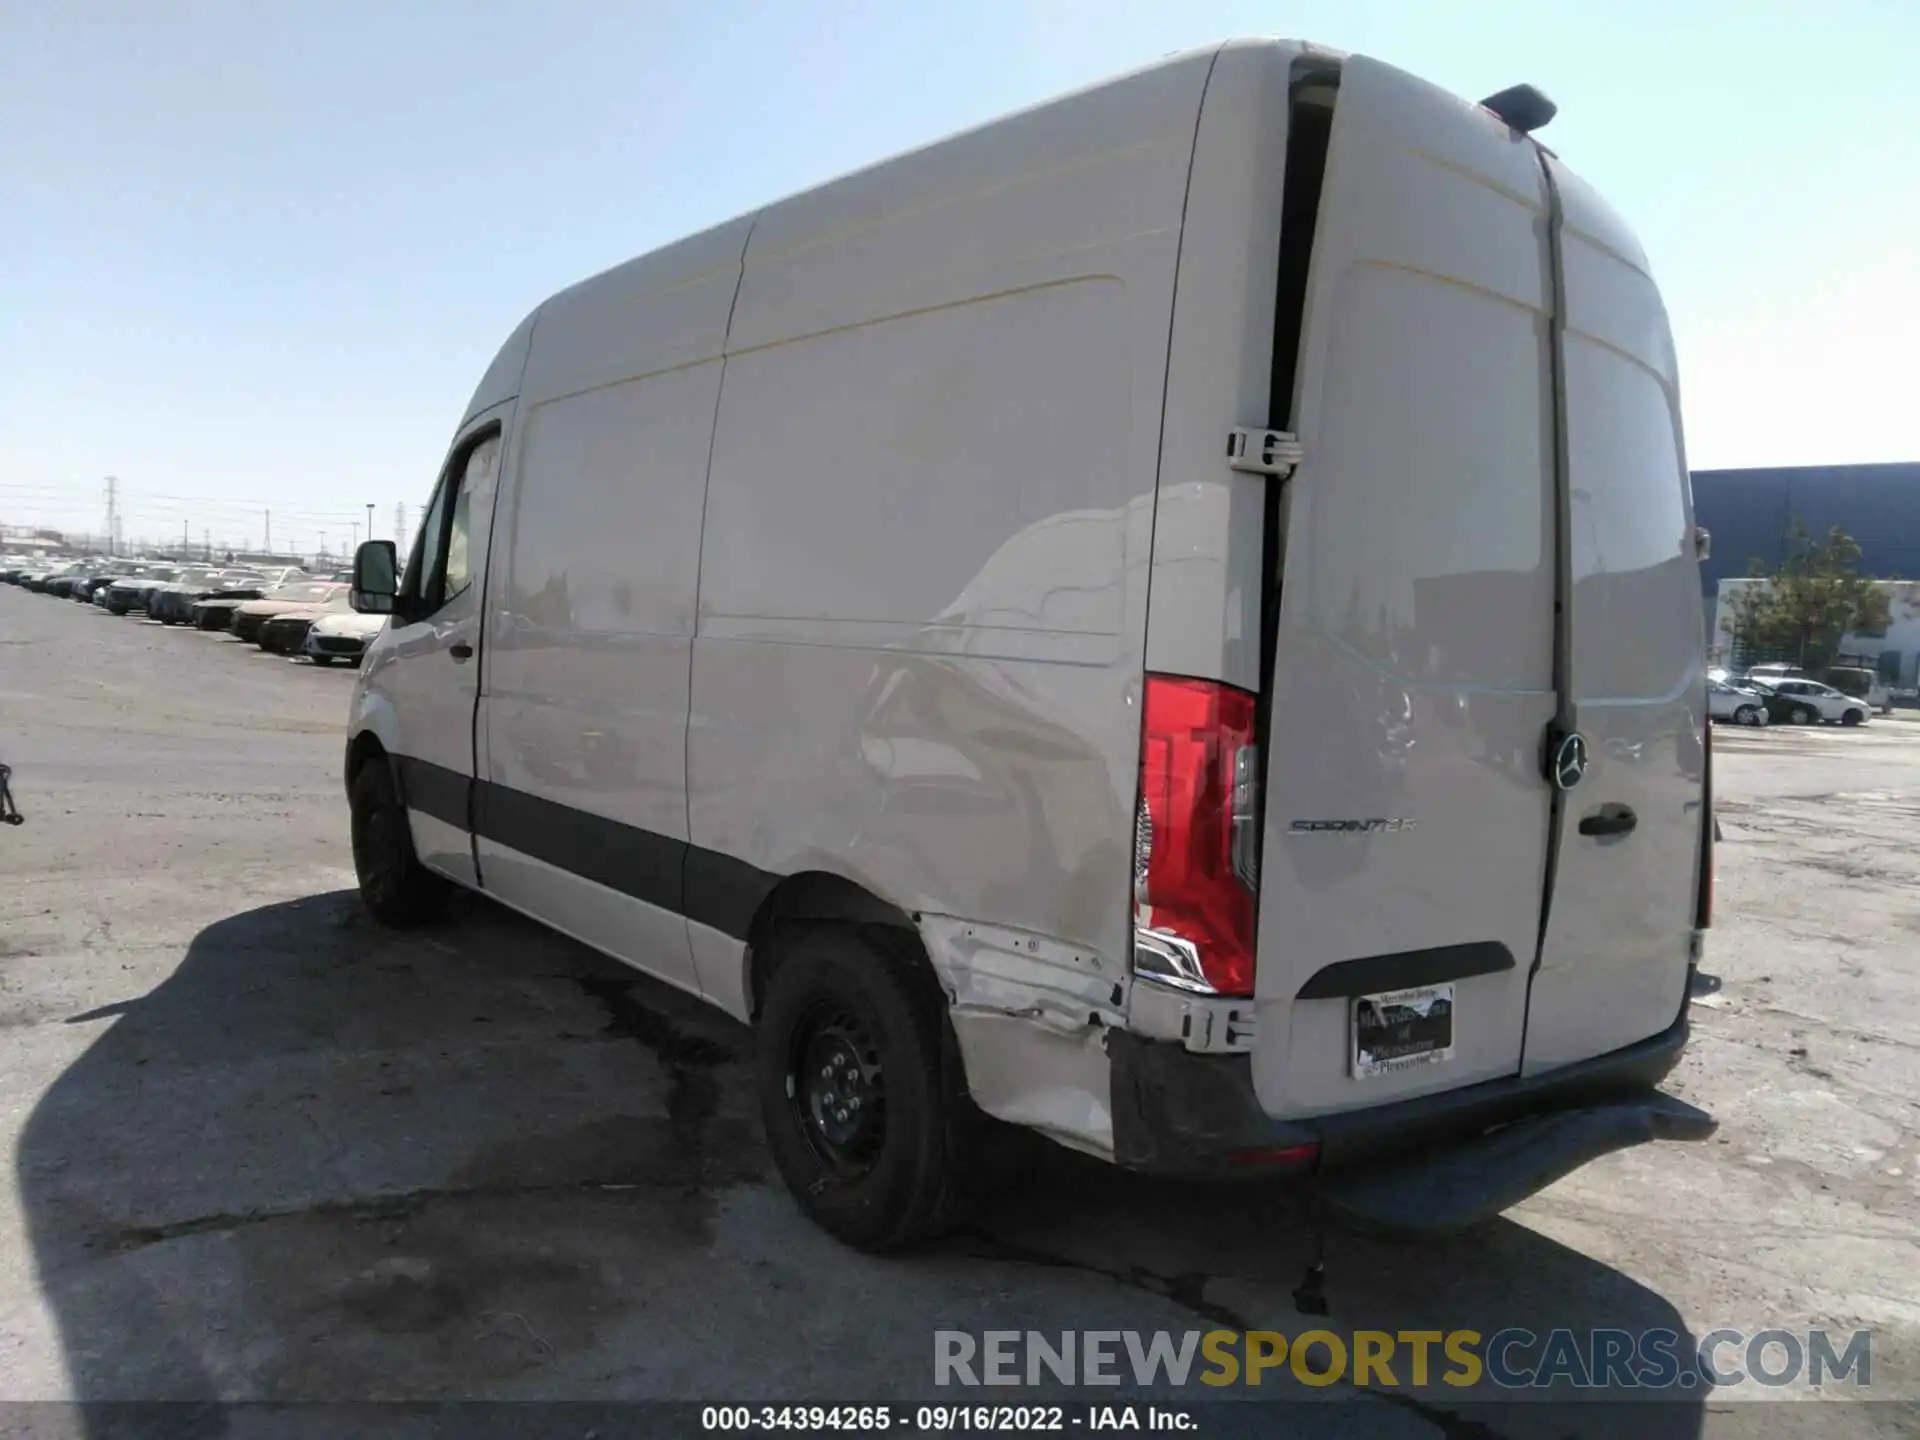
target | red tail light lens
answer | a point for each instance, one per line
(1191, 910)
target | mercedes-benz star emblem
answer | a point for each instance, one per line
(1570, 762)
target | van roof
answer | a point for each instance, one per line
(1152, 106)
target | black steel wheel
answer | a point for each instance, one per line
(861, 1087)
(394, 886)
(837, 1088)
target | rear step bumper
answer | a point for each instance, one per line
(1448, 1189)
(1431, 1163)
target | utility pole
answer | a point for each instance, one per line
(206, 543)
(113, 496)
(268, 546)
(186, 545)
(369, 520)
(356, 534)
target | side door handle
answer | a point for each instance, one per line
(1610, 819)
(460, 650)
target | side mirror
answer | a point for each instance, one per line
(376, 578)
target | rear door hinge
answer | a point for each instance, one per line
(1263, 452)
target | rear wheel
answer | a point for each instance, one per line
(860, 1087)
(395, 887)
(1802, 715)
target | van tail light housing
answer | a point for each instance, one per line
(1196, 837)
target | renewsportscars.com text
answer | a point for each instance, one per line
(1510, 1359)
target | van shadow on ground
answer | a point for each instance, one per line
(324, 1162)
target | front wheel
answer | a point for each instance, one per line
(1854, 717)
(394, 886)
(865, 1108)
(321, 659)
(1747, 715)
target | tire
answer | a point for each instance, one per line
(863, 999)
(1802, 715)
(1854, 717)
(169, 620)
(1747, 715)
(321, 659)
(394, 886)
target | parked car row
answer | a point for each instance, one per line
(1781, 696)
(282, 609)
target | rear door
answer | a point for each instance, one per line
(1613, 961)
(1407, 817)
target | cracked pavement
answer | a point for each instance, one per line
(264, 1150)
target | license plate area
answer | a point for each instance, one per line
(1400, 1029)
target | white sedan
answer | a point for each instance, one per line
(1808, 702)
(1730, 702)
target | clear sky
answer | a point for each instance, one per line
(257, 254)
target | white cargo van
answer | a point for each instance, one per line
(1171, 620)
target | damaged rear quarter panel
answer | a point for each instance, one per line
(1031, 1014)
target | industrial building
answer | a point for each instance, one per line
(1751, 513)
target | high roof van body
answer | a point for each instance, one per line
(1171, 620)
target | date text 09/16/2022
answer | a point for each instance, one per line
(944, 1419)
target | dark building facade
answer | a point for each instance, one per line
(1749, 512)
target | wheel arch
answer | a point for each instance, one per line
(809, 898)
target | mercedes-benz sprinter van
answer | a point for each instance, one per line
(1171, 620)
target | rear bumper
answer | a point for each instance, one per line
(1447, 1158)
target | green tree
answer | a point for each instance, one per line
(1812, 598)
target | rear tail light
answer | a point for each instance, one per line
(1195, 837)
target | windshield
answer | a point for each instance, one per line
(309, 593)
